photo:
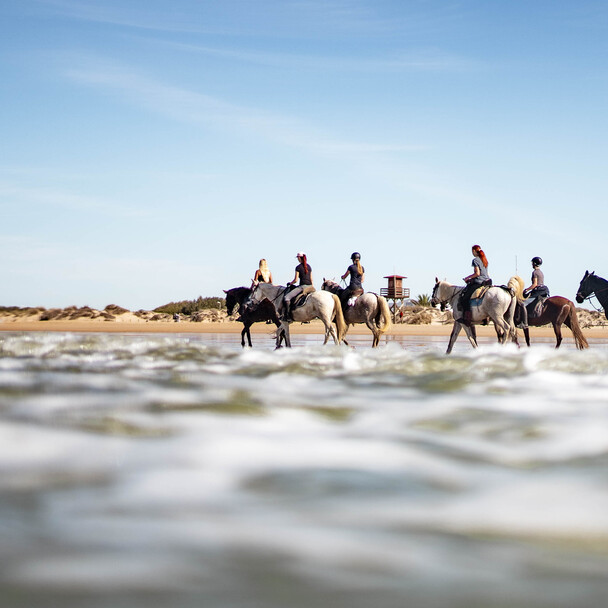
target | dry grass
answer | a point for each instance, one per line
(591, 318)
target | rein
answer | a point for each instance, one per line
(280, 293)
(594, 294)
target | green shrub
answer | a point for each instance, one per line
(187, 307)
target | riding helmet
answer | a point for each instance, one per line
(355, 256)
(537, 261)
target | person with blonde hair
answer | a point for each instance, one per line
(357, 276)
(263, 274)
(476, 279)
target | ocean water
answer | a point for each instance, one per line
(183, 471)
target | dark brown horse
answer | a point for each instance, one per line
(557, 311)
(593, 285)
(262, 312)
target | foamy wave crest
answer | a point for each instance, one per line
(315, 468)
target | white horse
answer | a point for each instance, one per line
(497, 304)
(319, 305)
(369, 308)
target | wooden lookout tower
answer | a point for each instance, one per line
(395, 293)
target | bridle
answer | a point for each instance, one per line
(434, 300)
(592, 294)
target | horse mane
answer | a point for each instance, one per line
(332, 286)
(236, 295)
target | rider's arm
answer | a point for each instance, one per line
(476, 273)
(345, 274)
(534, 284)
(295, 278)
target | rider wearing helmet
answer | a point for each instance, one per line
(357, 276)
(538, 287)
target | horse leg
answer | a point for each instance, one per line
(527, 335)
(375, 332)
(503, 328)
(471, 335)
(453, 336)
(283, 334)
(557, 324)
(557, 328)
(244, 333)
(329, 331)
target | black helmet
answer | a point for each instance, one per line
(355, 256)
(537, 261)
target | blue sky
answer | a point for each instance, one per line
(154, 151)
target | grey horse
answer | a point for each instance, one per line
(497, 304)
(369, 308)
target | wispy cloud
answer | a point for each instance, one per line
(124, 15)
(16, 196)
(192, 107)
(415, 60)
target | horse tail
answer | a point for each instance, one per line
(339, 318)
(516, 283)
(383, 318)
(572, 322)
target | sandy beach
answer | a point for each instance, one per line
(314, 327)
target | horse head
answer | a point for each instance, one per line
(231, 300)
(236, 296)
(329, 285)
(584, 289)
(435, 295)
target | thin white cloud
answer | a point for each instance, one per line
(17, 196)
(123, 16)
(415, 60)
(198, 108)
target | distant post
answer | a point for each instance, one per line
(395, 293)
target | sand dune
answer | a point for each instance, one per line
(415, 321)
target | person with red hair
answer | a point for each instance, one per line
(476, 279)
(304, 276)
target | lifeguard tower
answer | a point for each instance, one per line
(395, 293)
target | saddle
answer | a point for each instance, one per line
(478, 294)
(349, 298)
(534, 307)
(299, 301)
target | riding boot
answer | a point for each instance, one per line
(466, 319)
(285, 314)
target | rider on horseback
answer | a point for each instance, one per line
(476, 279)
(538, 292)
(304, 276)
(357, 276)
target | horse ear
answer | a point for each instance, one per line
(436, 280)
(225, 291)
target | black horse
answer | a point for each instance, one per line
(592, 284)
(264, 311)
